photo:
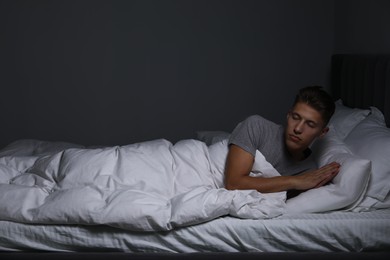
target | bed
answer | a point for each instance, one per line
(196, 218)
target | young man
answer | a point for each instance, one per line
(287, 149)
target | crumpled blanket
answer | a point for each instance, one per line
(148, 186)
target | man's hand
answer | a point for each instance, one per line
(316, 178)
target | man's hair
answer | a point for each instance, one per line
(318, 99)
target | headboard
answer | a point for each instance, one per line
(362, 80)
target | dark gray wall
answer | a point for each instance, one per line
(362, 26)
(118, 72)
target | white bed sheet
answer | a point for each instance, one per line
(324, 232)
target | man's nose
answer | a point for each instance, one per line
(298, 127)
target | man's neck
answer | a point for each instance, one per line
(299, 155)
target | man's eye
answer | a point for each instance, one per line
(295, 117)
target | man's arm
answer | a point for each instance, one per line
(239, 164)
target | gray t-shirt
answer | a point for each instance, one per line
(258, 133)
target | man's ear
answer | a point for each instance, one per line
(324, 131)
(288, 114)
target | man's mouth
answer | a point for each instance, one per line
(294, 138)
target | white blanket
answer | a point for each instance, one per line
(147, 186)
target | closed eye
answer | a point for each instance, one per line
(311, 124)
(296, 116)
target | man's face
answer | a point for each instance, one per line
(304, 124)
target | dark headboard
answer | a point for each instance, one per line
(362, 81)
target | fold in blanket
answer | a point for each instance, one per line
(148, 186)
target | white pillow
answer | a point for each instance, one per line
(212, 137)
(382, 204)
(370, 139)
(345, 119)
(345, 190)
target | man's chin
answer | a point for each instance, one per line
(293, 147)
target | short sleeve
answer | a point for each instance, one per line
(251, 133)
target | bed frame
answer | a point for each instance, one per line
(360, 81)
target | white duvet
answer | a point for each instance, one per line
(147, 186)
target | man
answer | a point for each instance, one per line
(287, 149)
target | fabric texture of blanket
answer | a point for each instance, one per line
(148, 186)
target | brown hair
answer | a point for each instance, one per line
(318, 99)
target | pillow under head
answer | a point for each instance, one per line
(345, 190)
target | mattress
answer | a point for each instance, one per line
(337, 231)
